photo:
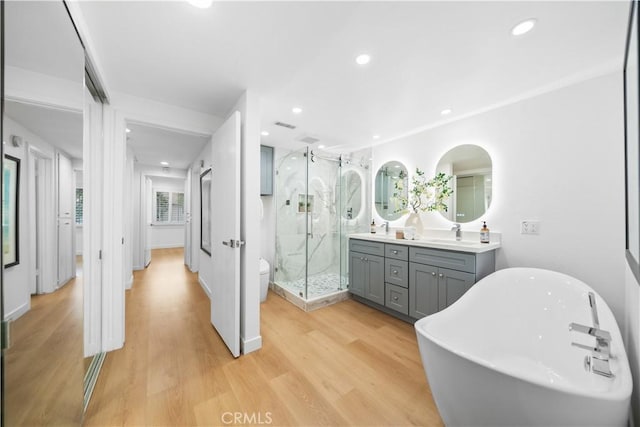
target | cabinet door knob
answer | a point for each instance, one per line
(366, 259)
(395, 271)
(395, 298)
(433, 273)
(440, 275)
(395, 252)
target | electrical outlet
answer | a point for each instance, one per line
(530, 227)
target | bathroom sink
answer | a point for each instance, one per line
(452, 242)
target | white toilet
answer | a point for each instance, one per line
(264, 279)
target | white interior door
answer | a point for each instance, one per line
(187, 220)
(148, 214)
(65, 191)
(226, 242)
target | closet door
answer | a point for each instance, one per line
(66, 219)
(65, 187)
(65, 250)
(42, 366)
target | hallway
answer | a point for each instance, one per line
(328, 367)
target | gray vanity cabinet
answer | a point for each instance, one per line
(366, 270)
(433, 289)
(411, 282)
(438, 278)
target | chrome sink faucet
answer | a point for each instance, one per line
(598, 362)
(458, 231)
(386, 227)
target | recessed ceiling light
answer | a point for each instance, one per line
(202, 4)
(293, 158)
(164, 163)
(264, 133)
(320, 146)
(363, 59)
(445, 111)
(296, 110)
(523, 27)
(128, 130)
(376, 136)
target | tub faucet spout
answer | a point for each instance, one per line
(458, 230)
(600, 354)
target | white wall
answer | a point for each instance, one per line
(268, 220)
(16, 295)
(557, 158)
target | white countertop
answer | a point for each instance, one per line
(436, 243)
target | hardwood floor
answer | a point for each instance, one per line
(346, 364)
(43, 369)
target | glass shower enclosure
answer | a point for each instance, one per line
(320, 199)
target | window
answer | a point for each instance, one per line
(79, 205)
(169, 207)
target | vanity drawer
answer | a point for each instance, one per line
(396, 272)
(396, 298)
(366, 247)
(440, 258)
(400, 252)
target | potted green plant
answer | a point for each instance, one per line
(426, 195)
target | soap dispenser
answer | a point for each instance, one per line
(373, 226)
(484, 233)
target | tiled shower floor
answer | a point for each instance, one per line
(319, 285)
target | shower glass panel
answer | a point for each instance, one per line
(291, 223)
(320, 198)
(323, 222)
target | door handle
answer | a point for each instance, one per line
(233, 243)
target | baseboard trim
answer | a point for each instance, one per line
(169, 246)
(251, 345)
(204, 286)
(138, 267)
(129, 283)
(19, 311)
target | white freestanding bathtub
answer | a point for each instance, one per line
(502, 355)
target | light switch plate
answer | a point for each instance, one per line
(530, 227)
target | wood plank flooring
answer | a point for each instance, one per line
(43, 369)
(346, 364)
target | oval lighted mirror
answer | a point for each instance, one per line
(352, 185)
(387, 201)
(472, 184)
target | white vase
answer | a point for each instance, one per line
(413, 220)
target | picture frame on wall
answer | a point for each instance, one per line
(11, 211)
(205, 211)
(632, 140)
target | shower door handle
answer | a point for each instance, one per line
(310, 223)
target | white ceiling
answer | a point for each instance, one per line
(152, 145)
(426, 56)
(60, 128)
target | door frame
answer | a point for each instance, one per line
(42, 220)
